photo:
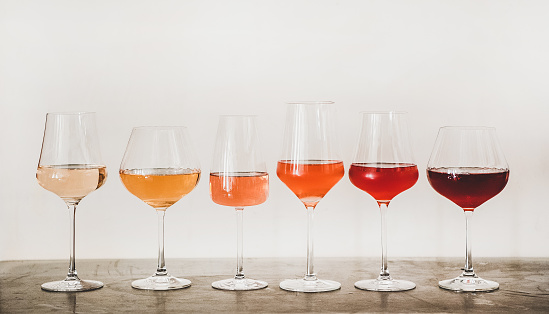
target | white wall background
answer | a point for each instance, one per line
(185, 62)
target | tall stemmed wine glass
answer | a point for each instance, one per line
(384, 167)
(70, 166)
(160, 167)
(310, 167)
(467, 167)
(238, 178)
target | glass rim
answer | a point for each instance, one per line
(383, 112)
(465, 127)
(237, 115)
(322, 102)
(159, 127)
(59, 113)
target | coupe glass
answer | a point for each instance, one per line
(384, 167)
(70, 166)
(467, 167)
(239, 179)
(159, 167)
(310, 167)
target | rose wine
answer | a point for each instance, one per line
(239, 189)
(383, 181)
(71, 182)
(468, 187)
(160, 187)
(310, 180)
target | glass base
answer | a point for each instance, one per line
(72, 285)
(239, 284)
(385, 284)
(164, 282)
(303, 285)
(468, 284)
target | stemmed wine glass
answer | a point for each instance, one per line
(467, 167)
(70, 166)
(310, 167)
(383, 167)
(160, 167)
(238, 178)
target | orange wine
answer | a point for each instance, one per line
(383, 181)
(160, 187)
(239, 189)
(310, 180)
(71, 182)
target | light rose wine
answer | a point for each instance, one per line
(383, 181)
(310, 180)
(160, 187)
(239, 189)
(71, 182)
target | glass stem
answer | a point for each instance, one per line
(161, 268)
(468, 269)
(310, 244)
(239, 244)
(384, 274)
(72, 275)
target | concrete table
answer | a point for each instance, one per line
(524, 286)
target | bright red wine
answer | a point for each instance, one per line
(383, 181)
(468, 187)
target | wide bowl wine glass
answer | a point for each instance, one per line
(160, 167)
(238, 178)
(384, 167)
(467, 167)
(310, 167)
(71, 167)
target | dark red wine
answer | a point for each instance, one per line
(383, 181)
(468, 187)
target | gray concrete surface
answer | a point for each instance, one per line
(524, 286)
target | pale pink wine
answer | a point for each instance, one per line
(71, 182)
(239, 189)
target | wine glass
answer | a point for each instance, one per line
(70, 166)
(467, 167)
(384, 167)
(159, 167)
(310, 167)
(238, 178)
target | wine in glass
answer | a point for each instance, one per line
(310, 167)
(238, 178)
(70, 166)
(159, 167)
(467, 166)
(384, 167)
